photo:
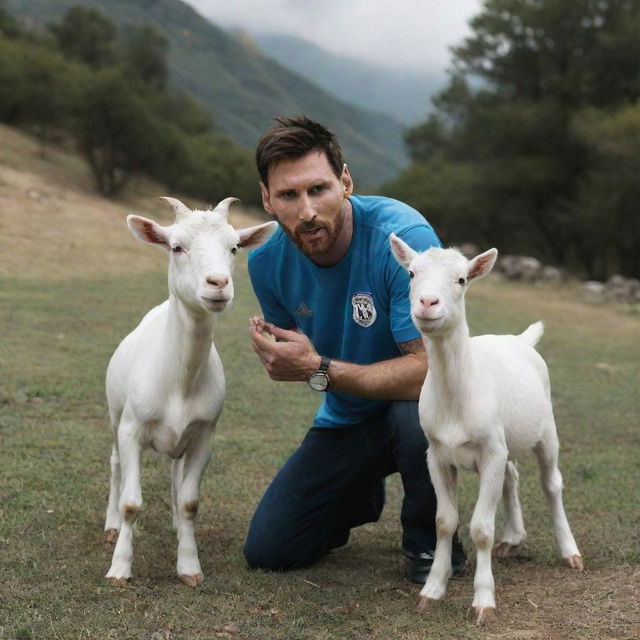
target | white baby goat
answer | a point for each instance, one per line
(165, 383)
(485, 400)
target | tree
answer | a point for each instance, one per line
(87, 35)
(509, 122)
(146, 56)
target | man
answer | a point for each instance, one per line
(336, 302)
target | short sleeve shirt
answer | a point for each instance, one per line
(357, 310)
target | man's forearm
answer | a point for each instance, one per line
(396, 379)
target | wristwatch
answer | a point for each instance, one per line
(319, 381)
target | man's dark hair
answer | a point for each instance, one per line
(292, 138)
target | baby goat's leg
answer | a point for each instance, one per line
(112, 520)
(514, 532)
(130, 500)
(491, 468)
(551, 478)
(196, 459)
(444, 479)
(177, 473)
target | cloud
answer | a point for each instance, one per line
(403, 34)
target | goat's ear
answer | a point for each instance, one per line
(148, 231)
(481, 265)
(252, 237)
(403, 253)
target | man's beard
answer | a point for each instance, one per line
(317, 249)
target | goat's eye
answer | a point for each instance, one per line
(411, 274)
(462, 281)
(234, 249)
(176, 248)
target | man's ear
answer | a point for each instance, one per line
(266, 200)
(347, 181)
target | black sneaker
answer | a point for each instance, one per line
(418, 565)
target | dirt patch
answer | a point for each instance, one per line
(53, 225)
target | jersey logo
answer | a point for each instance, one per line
(303, 310)
(364, 311)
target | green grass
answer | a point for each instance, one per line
(55, 443)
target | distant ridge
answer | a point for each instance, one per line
(243, 89)
(405, 96)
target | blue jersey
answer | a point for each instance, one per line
(357, 310)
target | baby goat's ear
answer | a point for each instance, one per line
(252, 237)
(148, 231)
(403, 253)
(481, 265)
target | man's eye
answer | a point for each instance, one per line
(317, 189)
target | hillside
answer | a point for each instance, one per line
(243, 89)
(405, 95)
(54, 225)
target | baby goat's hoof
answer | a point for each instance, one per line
(118, 582)
(575, 562)
(484, 616)
(504, 549)
(192, 581)
(425, 603)
(111, 535)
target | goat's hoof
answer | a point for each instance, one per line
(425, 603)
(118, 582)
(484, 616)
(504, 549)
(575, 562)
(192, 581)
(111, 535)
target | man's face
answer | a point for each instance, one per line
(309, 201)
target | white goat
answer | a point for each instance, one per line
(165, 383)
(485, 400)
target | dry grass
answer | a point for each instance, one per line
(64, 305)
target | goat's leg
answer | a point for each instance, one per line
(196, 459)
(129, 503)
(444, 479)
(112, 520)
(491, 468)
(514, 532)
(551, 479)
(177, 473)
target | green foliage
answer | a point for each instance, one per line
(111, 95)
(86, 35)
(545, 147)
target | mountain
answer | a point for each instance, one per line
(404, 95)
(243, 89)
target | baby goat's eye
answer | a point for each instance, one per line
(411, 274)
(234, 249)
(462, 281)
(176, 248)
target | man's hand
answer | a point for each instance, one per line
(291, 357)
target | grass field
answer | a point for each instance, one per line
(73, 284)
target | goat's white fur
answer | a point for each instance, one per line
(485, 400)
(165, 383)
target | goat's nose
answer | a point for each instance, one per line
(429, 301)
(218, 280)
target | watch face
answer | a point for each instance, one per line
(318, 382)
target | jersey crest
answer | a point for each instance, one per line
(364, 311)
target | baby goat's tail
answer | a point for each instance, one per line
(532, 334)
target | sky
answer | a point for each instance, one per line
(402, 34)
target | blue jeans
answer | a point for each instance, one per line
(335, 481)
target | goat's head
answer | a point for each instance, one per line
(201, 246)
(438, 282)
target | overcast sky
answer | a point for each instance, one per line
(405, 34)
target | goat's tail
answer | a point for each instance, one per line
(532, 334)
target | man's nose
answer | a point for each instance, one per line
(307, 212)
